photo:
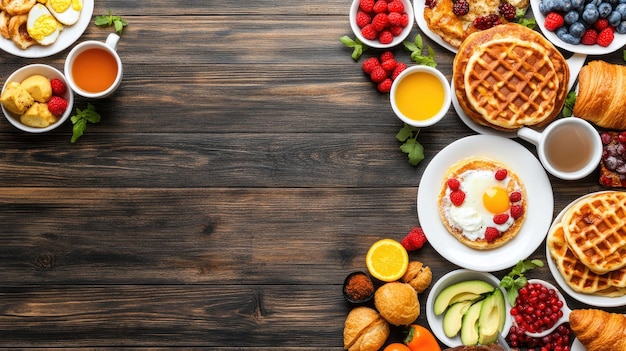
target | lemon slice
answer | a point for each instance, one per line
(387, 260)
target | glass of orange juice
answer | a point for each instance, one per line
(93, 68)
(420, 96)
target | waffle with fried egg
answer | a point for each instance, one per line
(482, 203)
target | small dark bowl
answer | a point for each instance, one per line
(362, 299)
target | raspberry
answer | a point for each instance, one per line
(395, 19)
(501, 174)
(500, 218)
(553, 21)
(515, 196)
(57, 105)
(461, 7)
(386, 55)
(395, 6)
(367, 5)
(405, 20)
(491, 234)
(396, 30)
(58, 87)
(590, 37)
(605, 37)
(389, 65)
(486, 22)
(380, 6)
(516, 211)
(457, 197)
(363, 19)
(369, 32)
(385, 85)
(378, 74)
(369, 64)
(453, 184)
(601, 23)
(385, 37)
(414, 240)
(400, 66)
(380, 21)
(507, 11)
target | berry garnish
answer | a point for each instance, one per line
(500, 218)
(414, 240)
(369, 64)
(516, 211)
(501, 174)
(453, 184)
(385, 85)
(515, 196)
(57, 105)
(605, 37)
(491, 234)
(553, 21)
(507, 11)
(486, 22)
(461, 7)
(457, 197)
(58, 87)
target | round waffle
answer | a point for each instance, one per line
(578, 276)
(470, 223)
(510, 76)
(595, 230)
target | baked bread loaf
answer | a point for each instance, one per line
(364, 330)
(397, 303)
(601, 95)
(508, 77)
(598, 330)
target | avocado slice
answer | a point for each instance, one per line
(469, 326)
(462, 291)
(453, 317)
(489, 320)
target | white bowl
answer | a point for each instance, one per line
(50, 73)
(408, 8)
(460, 275)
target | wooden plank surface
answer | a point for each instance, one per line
(241, 171)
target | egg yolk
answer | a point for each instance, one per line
(496, 200)
(43, 26)
(61, 6)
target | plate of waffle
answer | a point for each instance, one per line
(586, 247)
(538, 208)
(68, 35)
(418, 8)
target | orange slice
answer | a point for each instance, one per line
(387, 260)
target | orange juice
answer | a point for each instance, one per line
(94, 70)
(419, 96)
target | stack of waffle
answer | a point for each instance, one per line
(588, 245)
(510, 76)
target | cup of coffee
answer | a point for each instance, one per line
(569, 148)
(93, 69)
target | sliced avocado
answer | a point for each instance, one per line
(499, 295)
(489, 319)
(453, 318)
(459, 292)
(469, 326)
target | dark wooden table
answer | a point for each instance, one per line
(241, 171)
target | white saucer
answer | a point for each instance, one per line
(540, 203)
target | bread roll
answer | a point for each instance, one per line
(601, 95)
(397, 303)
(364, 330)
(599, 330)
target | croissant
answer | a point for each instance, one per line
(364, 330)
(598, 330)
(601, 95)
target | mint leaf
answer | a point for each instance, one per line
(80, 120)
(515, 280)
(410, 145)
(568, 108)
(110, 20)
(357, 46)
(416, 49)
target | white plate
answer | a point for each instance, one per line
(618, 42)
(68, 36)
(418, 8)
(539, 208)
(577, 346)
(598, 301)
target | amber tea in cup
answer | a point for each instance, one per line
(93, 69)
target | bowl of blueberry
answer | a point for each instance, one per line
(591, 27)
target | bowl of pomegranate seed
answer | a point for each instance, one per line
(35, 98)
(381, 24)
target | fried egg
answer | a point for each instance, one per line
(65, 11)
(485, 197)
(42, 26)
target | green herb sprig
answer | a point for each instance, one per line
(520, 15)
(416, 49)
(515, 280)
(568, 108)
(357, 46)
(110, 20)
(408, 136)
(80, 120)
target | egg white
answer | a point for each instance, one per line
(38, 17)
(65, 11)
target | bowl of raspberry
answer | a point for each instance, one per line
(35, 98)
(580, 26)
(381, 24)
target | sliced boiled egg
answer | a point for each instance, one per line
(65, 11)
(42, 26)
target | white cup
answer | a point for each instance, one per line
(432, 86)
(569, 148)
(110, 46)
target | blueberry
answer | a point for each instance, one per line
(577, 29)
(578, 4)
(568, 38)
(621, 8)
(613, 2)
(561, 31)
(559, 5)
(590, 15)
(604, 10)
(614, 19)
(566, 6)
(547, 7)
(594, 2)
(621, 28)
(572, 17)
